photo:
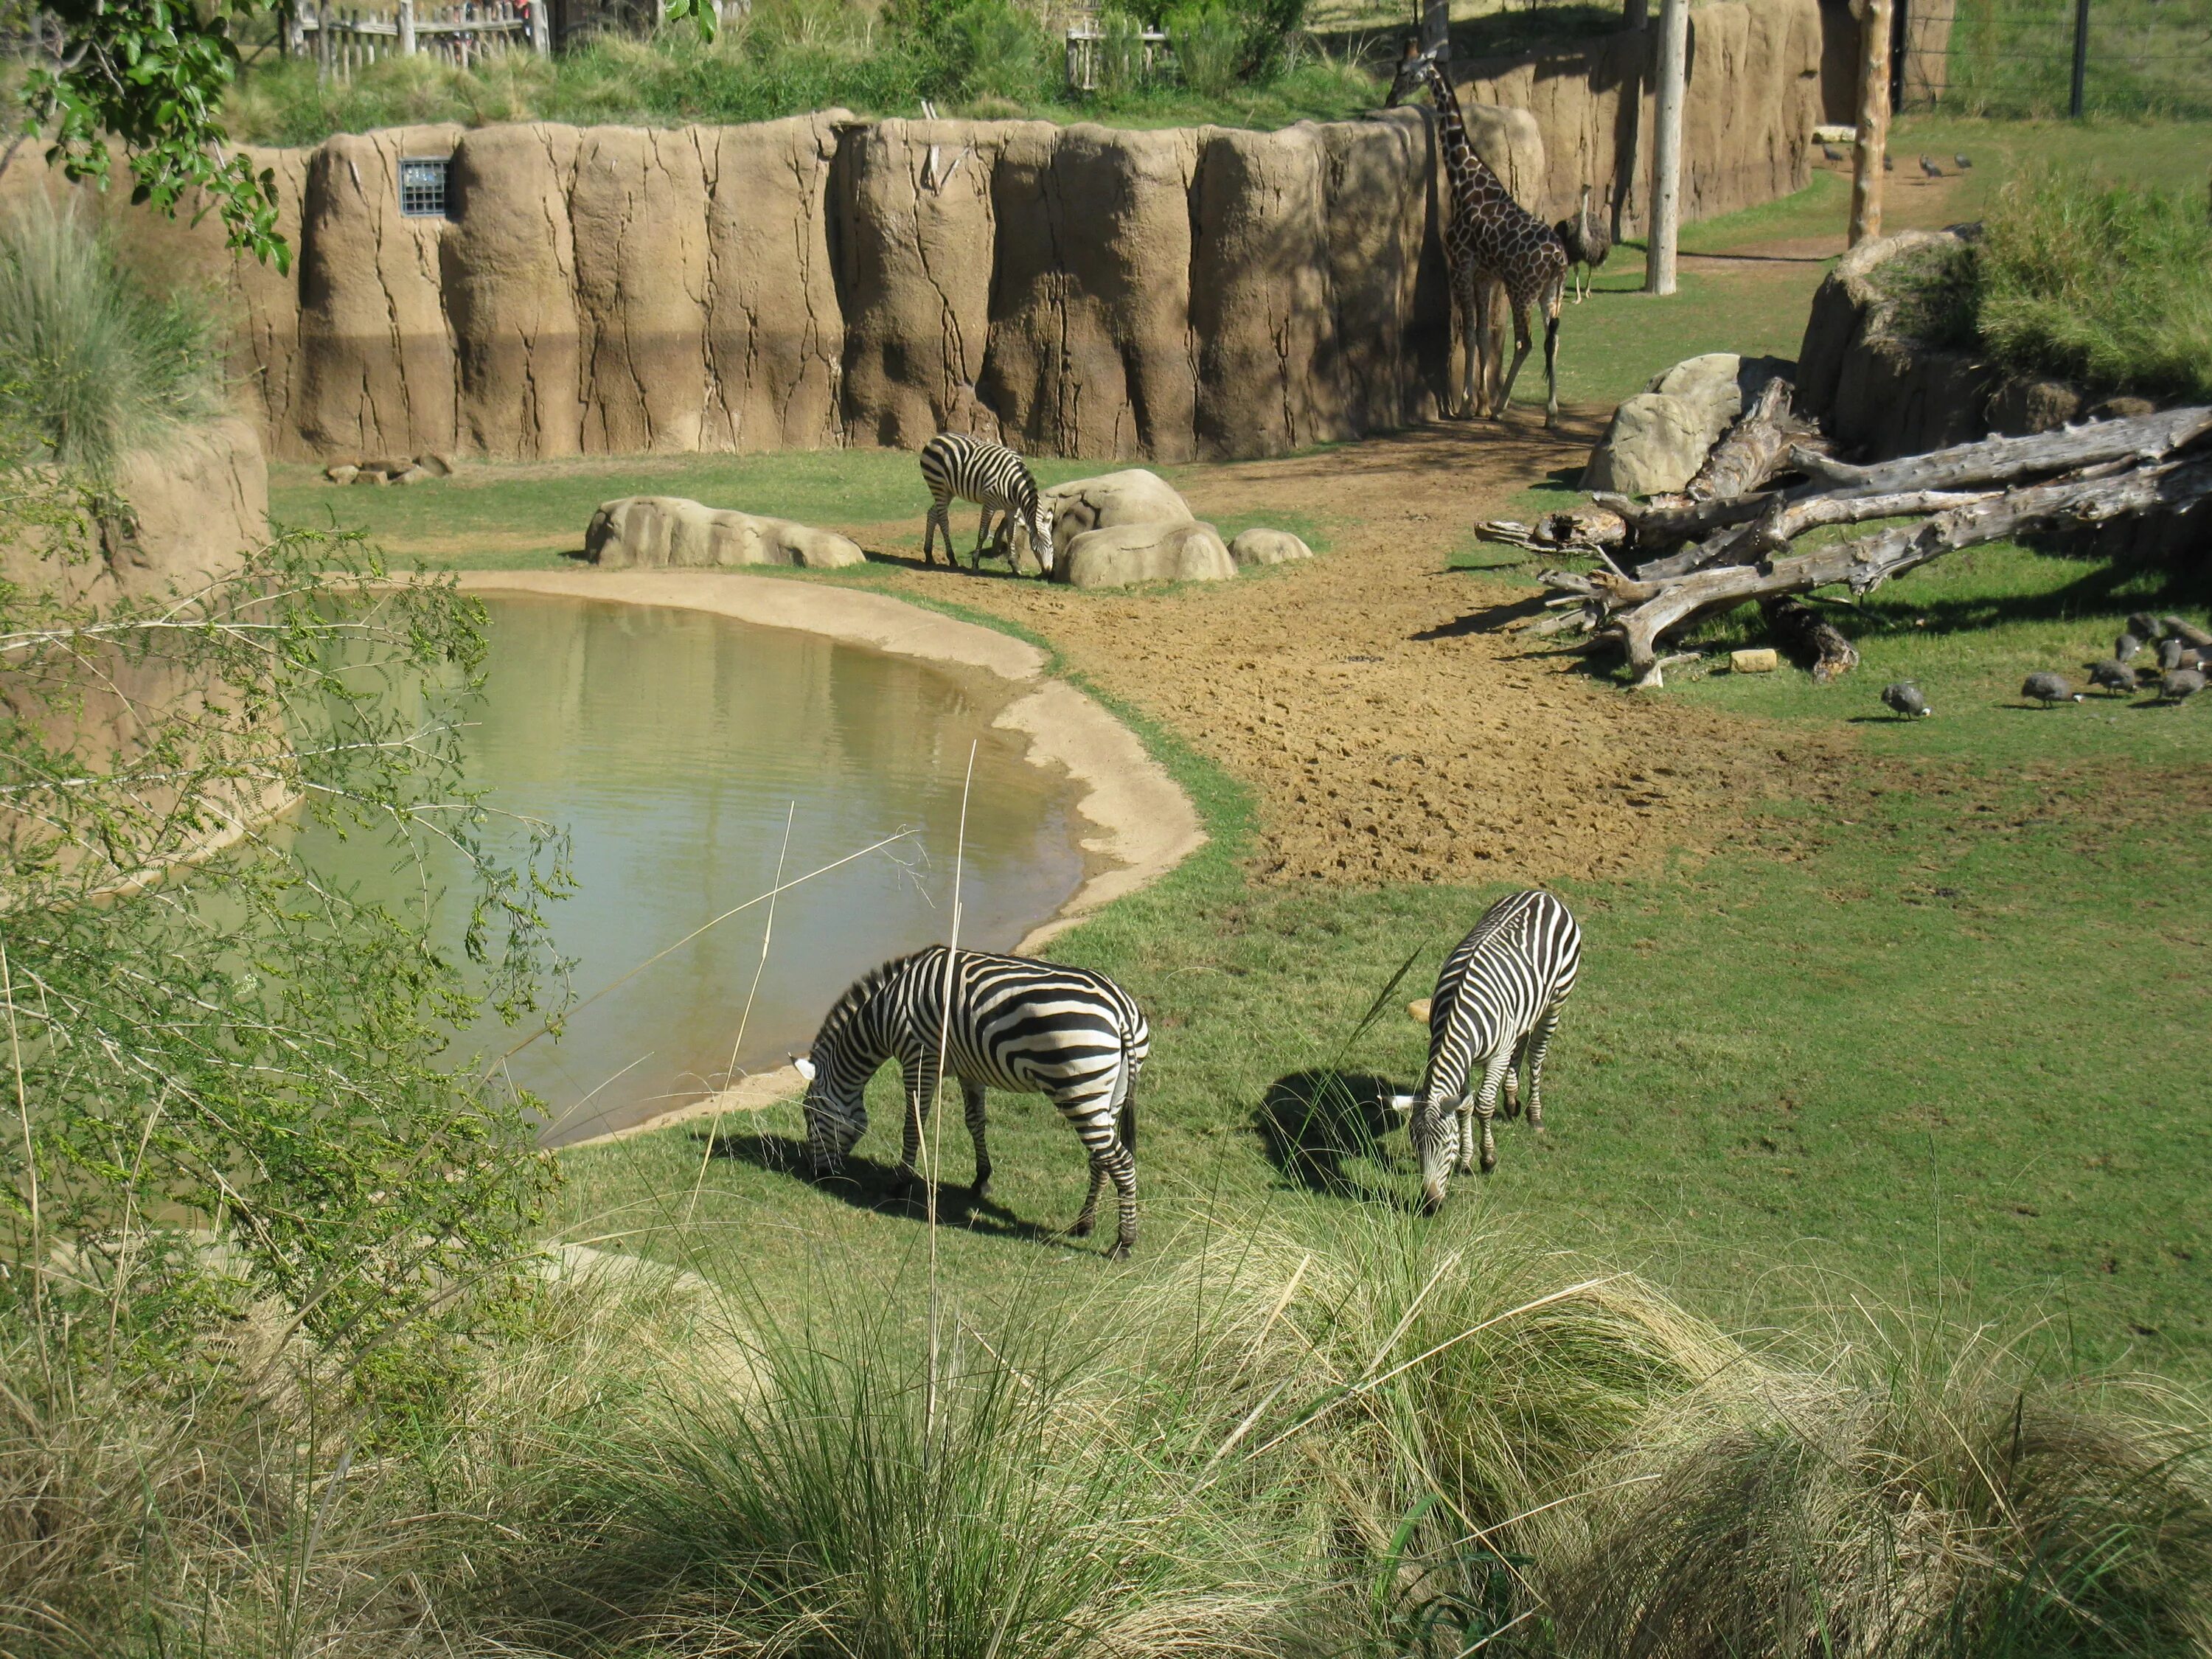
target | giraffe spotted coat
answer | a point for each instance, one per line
(1490, 239)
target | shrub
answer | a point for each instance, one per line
(2110, 285)
(90, 363)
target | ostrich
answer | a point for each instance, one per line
(1586, 242)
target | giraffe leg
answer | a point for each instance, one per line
(1523, 341)
(1474, 338)
(973, 1094)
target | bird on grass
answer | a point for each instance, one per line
(2169, 652)
(1889, 163)
(1586, 243)
(2112, 676)
(1906, 699)
(1930, 169)
(2047, 689)
(2144, 626)
(1962, 162)
(2182, 684)
(2126, 648)
(1832, 152)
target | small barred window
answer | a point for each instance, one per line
(422, 188)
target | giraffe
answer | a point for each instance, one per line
(1492, 238)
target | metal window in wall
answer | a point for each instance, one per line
(422, 186)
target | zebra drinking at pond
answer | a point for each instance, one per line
(1033, 1028)
(1496, 1004)
(957, 467)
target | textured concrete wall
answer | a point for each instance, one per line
(1077, 290)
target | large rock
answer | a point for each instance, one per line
(1258, 547)
(655, 532)
(1654, 444)
(1132, 497)
(1190, 552)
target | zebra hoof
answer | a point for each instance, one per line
(1121, 1249)
(1081, 1229)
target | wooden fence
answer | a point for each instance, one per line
(346, 39)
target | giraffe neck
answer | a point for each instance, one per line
(1474, 184)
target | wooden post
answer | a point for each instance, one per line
(1436, 25)
(322, 40)
(541, 30)
(2080, 58)
(406, 28)
(1874, 121)
(1666, 147)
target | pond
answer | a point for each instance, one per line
(672, 745)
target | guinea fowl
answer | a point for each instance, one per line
(2114, 677)
(2169, 652)
(2047, 688)
(1963, 163)
(2182, 684)
(2125, 648)
(1929, 168)
(2144, 626)
(1905, 697)
(1586, 243)
(1888, 163)
(1832, 152)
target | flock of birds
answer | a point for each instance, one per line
(1927, 169)
(2183, 652)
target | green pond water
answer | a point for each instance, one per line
(671, 745)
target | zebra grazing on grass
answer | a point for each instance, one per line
(957, 467)
(1033, 1028)
(1496, 1004)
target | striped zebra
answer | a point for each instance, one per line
(957, 467)
(1032, 1028)
(1496, 1004)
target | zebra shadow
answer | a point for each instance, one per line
(873, 1184)
(1312, 1122)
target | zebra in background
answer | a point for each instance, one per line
(1032, 1028)
(1496, 1006)
(957, 467)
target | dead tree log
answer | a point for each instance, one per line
(1754, 449)
(1990, 461)
(1809, 638)
(1639, 611)
(1784, 520)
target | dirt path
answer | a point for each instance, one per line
(1388, 733)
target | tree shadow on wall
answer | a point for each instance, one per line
(873, 1185)
(1312, 1122)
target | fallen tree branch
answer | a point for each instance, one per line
(1809, 638)
(1753, 450)
(1648, 609)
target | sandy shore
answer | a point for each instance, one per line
(1144, 824)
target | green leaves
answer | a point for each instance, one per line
(154, 77)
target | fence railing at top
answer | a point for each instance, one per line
(1099, 52)
(346, 39)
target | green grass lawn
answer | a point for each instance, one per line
(1932, 1028)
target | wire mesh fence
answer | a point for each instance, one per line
(2018, 57)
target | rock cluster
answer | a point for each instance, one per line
(386, 470)
(1134, 527)
(656, 532)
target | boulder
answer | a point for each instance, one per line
(660, 531)
(413, 475)
(2026, 404)
(1655, 444)
(438, 467)
(339, 472)
(1112, 558)
(1132, 497)
(1257, 547)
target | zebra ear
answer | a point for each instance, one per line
(803, 1066)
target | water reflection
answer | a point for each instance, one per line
(673, 746)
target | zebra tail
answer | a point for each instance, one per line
(1129, 1123)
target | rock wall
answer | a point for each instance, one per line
(1078, 290)
(1754, 94)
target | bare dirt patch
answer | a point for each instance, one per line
(1390, 733)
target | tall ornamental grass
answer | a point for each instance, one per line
(91, 363)
(2107, 284)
